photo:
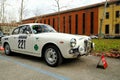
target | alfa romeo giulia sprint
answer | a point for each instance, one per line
(43, 41)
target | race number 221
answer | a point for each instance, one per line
(21, 44)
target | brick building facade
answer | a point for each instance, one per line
(6, 28)
(83, 20)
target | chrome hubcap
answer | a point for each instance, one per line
(7, 49)
(51, 56)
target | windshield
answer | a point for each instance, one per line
(42, 28)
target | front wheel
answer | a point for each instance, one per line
(52, 56)
(7, 49)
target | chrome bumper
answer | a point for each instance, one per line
(83, 50)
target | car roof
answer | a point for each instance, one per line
(32, 24)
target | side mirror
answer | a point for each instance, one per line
(34, 31)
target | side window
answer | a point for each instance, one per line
(15, 31)
(24, 29)
(37, 29)
(28, 29)
(21, 31)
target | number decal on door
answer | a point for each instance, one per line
(21, 44)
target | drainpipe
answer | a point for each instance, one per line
(101, 20)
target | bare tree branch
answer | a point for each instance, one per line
(58, 10)
(3, 6)
(23, 10)
(37, 13)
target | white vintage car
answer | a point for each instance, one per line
(42, 40)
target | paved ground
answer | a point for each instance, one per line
(23, 67)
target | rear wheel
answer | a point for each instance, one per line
(52, 56)
(7, 49)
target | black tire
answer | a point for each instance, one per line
(52, 56)
(7, 49)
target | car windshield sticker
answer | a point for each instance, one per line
(36, 47)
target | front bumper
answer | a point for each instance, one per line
(82, 50)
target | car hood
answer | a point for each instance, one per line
(63, 36)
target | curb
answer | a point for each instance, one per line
(111, 55)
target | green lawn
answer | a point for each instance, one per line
(106, 45)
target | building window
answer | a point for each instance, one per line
(53, 22)
(44, 21)
(117, 14)
(107, 5)
(107, 15)
(117, 28)
(83, 28)
(49, 21)
(76, 18)
(92, 23)
(64, 24)
(69, 24)
(106, 29)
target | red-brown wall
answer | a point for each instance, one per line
(73, 14)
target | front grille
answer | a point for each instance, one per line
(87, 45)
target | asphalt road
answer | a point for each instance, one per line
(23, 67)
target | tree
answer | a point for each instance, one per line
(58, 11)
(59, 8)
(101, 20)
(11, 17)
(37, 13)
(23, 11)
(2, 15)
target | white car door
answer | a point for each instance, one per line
(26, 41)
(13, 40)
(20, 40)
(32, 46)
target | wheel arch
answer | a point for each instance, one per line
(48, 44)
(5, 43)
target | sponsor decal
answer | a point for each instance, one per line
(22, 37)
(36, 47)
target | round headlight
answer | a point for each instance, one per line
(73, 42)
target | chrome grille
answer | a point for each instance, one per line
(87, 45)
